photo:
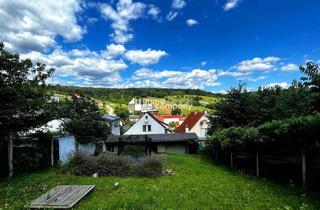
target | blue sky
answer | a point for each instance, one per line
(205, 44)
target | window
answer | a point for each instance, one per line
(144, 128)
(149, 127)
(146, 117)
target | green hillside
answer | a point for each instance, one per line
(163, 99)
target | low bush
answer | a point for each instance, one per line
(149, 166)
(108, 164)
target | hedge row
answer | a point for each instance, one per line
(299, 132)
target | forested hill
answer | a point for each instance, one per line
(126, 94)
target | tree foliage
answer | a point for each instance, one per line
(121, 112)
(312, 78)
(298, 132)
(253, 108)
(23, 93)
(84, 120)
(176, 111)
(123, 96)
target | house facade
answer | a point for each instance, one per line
(147, 124)
(196, 122)
(115, 123)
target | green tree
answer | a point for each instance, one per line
(176, 111)
(312, 78)
(236, 109)
(312, 81)
(122, 112)
(84, 120)
(23, 97)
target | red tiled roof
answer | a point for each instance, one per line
(163, 117)
(190, 121)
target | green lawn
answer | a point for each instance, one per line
(196, 184)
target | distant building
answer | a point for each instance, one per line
(55, 99)
(115, 123)
(137, 105)
(148, 124)
(134, 118)
(177, 119)
(196, 122)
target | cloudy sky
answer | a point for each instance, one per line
(207, 44)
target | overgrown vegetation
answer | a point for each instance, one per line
(270, 120)
(195, 184)
(107, 164)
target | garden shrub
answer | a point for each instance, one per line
(149, 167)
(108, 164)
(75, 159)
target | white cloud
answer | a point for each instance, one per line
(191, 22)
(113, 50)
(154, 12)
(203, 63)
(231, 4)
(257, 64)
(121, 16)
(280, 84)
(87, 67)
(171, 15)
(290, 67)
(178, 4)
(34, 25)
(194, 79)
(144, 57)
(259, 78)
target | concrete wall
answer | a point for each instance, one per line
(174, 148)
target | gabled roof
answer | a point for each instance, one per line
(163, 117)
(190, 121)
(157, 120)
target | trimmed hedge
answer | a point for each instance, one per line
(298, 131)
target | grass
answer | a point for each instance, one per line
(196, 184)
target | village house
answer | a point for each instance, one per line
(138, 105)
(148, 124)
(196, 122)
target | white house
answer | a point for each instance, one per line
(137, 105)
(147, 124)
(196, 122)
(55, 99)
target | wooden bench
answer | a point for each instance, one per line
(61, 197)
